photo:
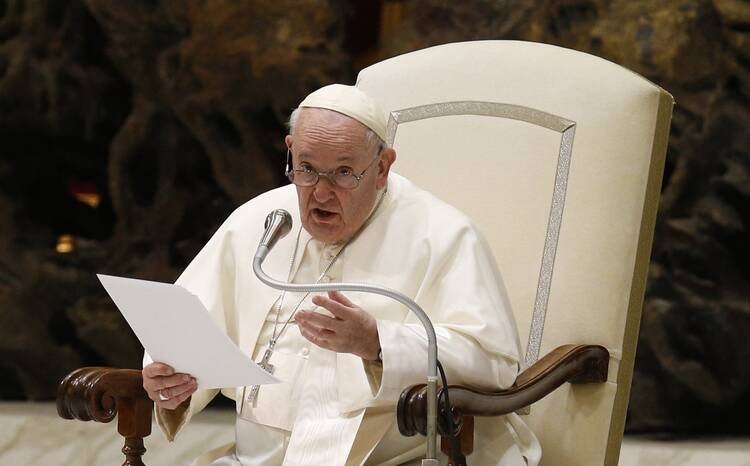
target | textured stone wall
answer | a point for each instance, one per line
(173, 112)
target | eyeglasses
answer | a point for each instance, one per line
(307, 176)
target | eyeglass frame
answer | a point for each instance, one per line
(289, 171)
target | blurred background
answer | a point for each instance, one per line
(130, 129)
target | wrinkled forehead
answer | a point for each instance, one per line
(312, 116)
(324, 132)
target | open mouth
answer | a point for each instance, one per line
(322, 215)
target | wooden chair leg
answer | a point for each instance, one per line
(133, 451)
(134, 423)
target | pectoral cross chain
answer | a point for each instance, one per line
(266, 365)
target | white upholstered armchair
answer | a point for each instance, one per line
(557, 156)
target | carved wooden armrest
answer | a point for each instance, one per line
(567, 363)
(100, 393)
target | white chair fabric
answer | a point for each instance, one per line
(557, 156)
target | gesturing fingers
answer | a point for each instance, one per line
(341, 311)
(351, 330)
(316, 335)
(317, 324)
(320, 321)
(339, 296)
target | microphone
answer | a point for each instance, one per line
(278, 224)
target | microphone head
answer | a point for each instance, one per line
(278, 224)
(282, 218)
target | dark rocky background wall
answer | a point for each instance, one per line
(129, 130)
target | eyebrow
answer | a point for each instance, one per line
(345, 160)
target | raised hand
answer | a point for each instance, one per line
(351, 330)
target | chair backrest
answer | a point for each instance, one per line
(557, 156)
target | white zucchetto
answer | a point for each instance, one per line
(350, 101)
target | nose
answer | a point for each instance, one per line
(323, 191)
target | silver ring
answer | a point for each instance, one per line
(162, 397)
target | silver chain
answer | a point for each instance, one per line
(280, 300)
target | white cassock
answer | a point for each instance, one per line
(335, 408)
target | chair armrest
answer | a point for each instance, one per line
(567, 363)
(92, 393)
(100, 394)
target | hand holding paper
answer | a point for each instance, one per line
(174, 328)
(167, 388)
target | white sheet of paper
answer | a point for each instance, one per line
(175, 328)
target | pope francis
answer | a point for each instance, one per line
(344, 359)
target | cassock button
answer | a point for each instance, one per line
(304, 351)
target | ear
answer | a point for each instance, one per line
(387, 157)
(289, 164)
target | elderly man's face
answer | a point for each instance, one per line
(326, 141)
